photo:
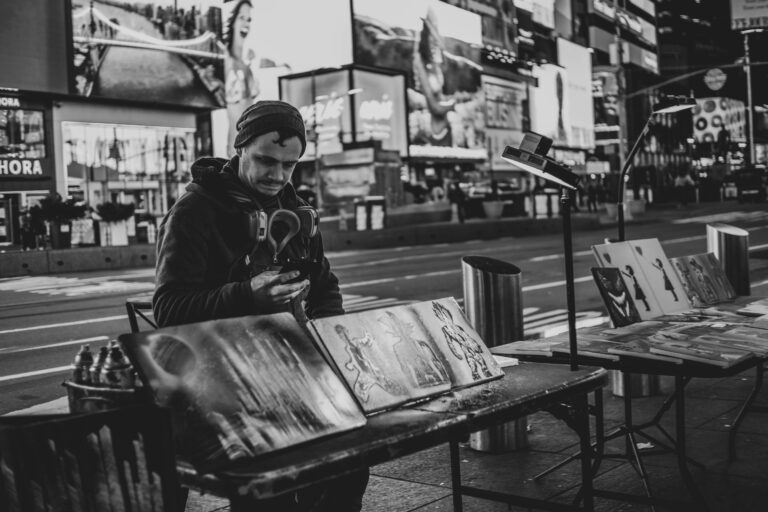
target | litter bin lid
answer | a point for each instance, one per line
(490, 265)
(728, 229)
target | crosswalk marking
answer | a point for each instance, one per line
(723, 217)
(72, 286)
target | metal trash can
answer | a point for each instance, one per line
(731, 246)
(641, 384)
(493, 303)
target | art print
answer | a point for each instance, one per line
(655, 265)
(621, 255)
(384, 355)
(723, 286)
(702, 272)
(466, 356)
(696, 295)
(242, 387)
(616, 297)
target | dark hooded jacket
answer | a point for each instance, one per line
(206, 256)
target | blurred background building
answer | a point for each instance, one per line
(111, 103)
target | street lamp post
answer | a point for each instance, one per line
(750, 114)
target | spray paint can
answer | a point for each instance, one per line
(81, 365)
(97, 365)
(116, 372)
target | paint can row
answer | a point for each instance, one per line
(107, 368)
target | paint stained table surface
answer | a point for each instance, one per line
(525, 388)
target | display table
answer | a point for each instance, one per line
(682, 371)
(524, 389)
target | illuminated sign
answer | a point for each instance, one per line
(9, 102)
(503, 118)
(438, 46)
(577, 61)
(747, 14)
(20, 168)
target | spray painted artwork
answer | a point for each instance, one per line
(393, 356)
(242, 387)
(622, 256)
(664, 281)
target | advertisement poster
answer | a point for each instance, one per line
(504, 115)
(266, 42)
(711, 116)
(167, 51)
(577, 61)
(605, 94)
(748, 14)
(550, 104)
(438, 47)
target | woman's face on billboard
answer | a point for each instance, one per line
(242, 23)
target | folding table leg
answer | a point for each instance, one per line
(456, 476)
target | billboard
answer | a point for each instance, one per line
(550, 104)
(437, 46)
(605, 95)
(266, 42)
(504, 118)
(577, 62)
(712, 115)
(375, 110)
(749, 14)
(167, 51)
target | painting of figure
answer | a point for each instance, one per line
(621, 255)
(695, 295)
(466, 355)
(384, 355)
(616, 297)
(653, 261)
(241, 387)
(724, 288)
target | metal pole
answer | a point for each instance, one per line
(565, 204)
(316, 137)
(621, 84)
(624, 170)
(750, 118)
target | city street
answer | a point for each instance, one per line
(45, 319)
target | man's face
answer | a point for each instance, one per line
(267, 165)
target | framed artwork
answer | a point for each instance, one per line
(616, 297)
(392, 356)
(658, 270)
(241, 387)
(621, 255)
(121, 459)
(697, 296)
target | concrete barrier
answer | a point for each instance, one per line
(23, 263)
(78, 259)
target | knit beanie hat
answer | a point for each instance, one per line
(268, 116)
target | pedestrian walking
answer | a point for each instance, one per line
(457, 198)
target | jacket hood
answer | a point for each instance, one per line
(215, 178)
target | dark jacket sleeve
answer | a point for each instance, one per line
(324, 297)
(185, 292)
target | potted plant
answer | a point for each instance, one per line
(58, 215)
(113, 225)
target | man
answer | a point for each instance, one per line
(212, 263)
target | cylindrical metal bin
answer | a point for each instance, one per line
(641, 384)
(493, 303)
(731, 246)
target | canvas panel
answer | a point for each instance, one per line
(385, 355)
(242, 387)
(616, 297)
(666, 285)
(622, 256)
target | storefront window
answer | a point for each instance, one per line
(21, 133)
(145, 165)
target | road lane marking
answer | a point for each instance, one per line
(65, 324)
(16, 350)
(35, 373)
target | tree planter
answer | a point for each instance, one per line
(612, 210)
(493, 209)
(636, 207)
(113, 233)
(61, 234)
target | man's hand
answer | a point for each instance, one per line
(270, 288)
